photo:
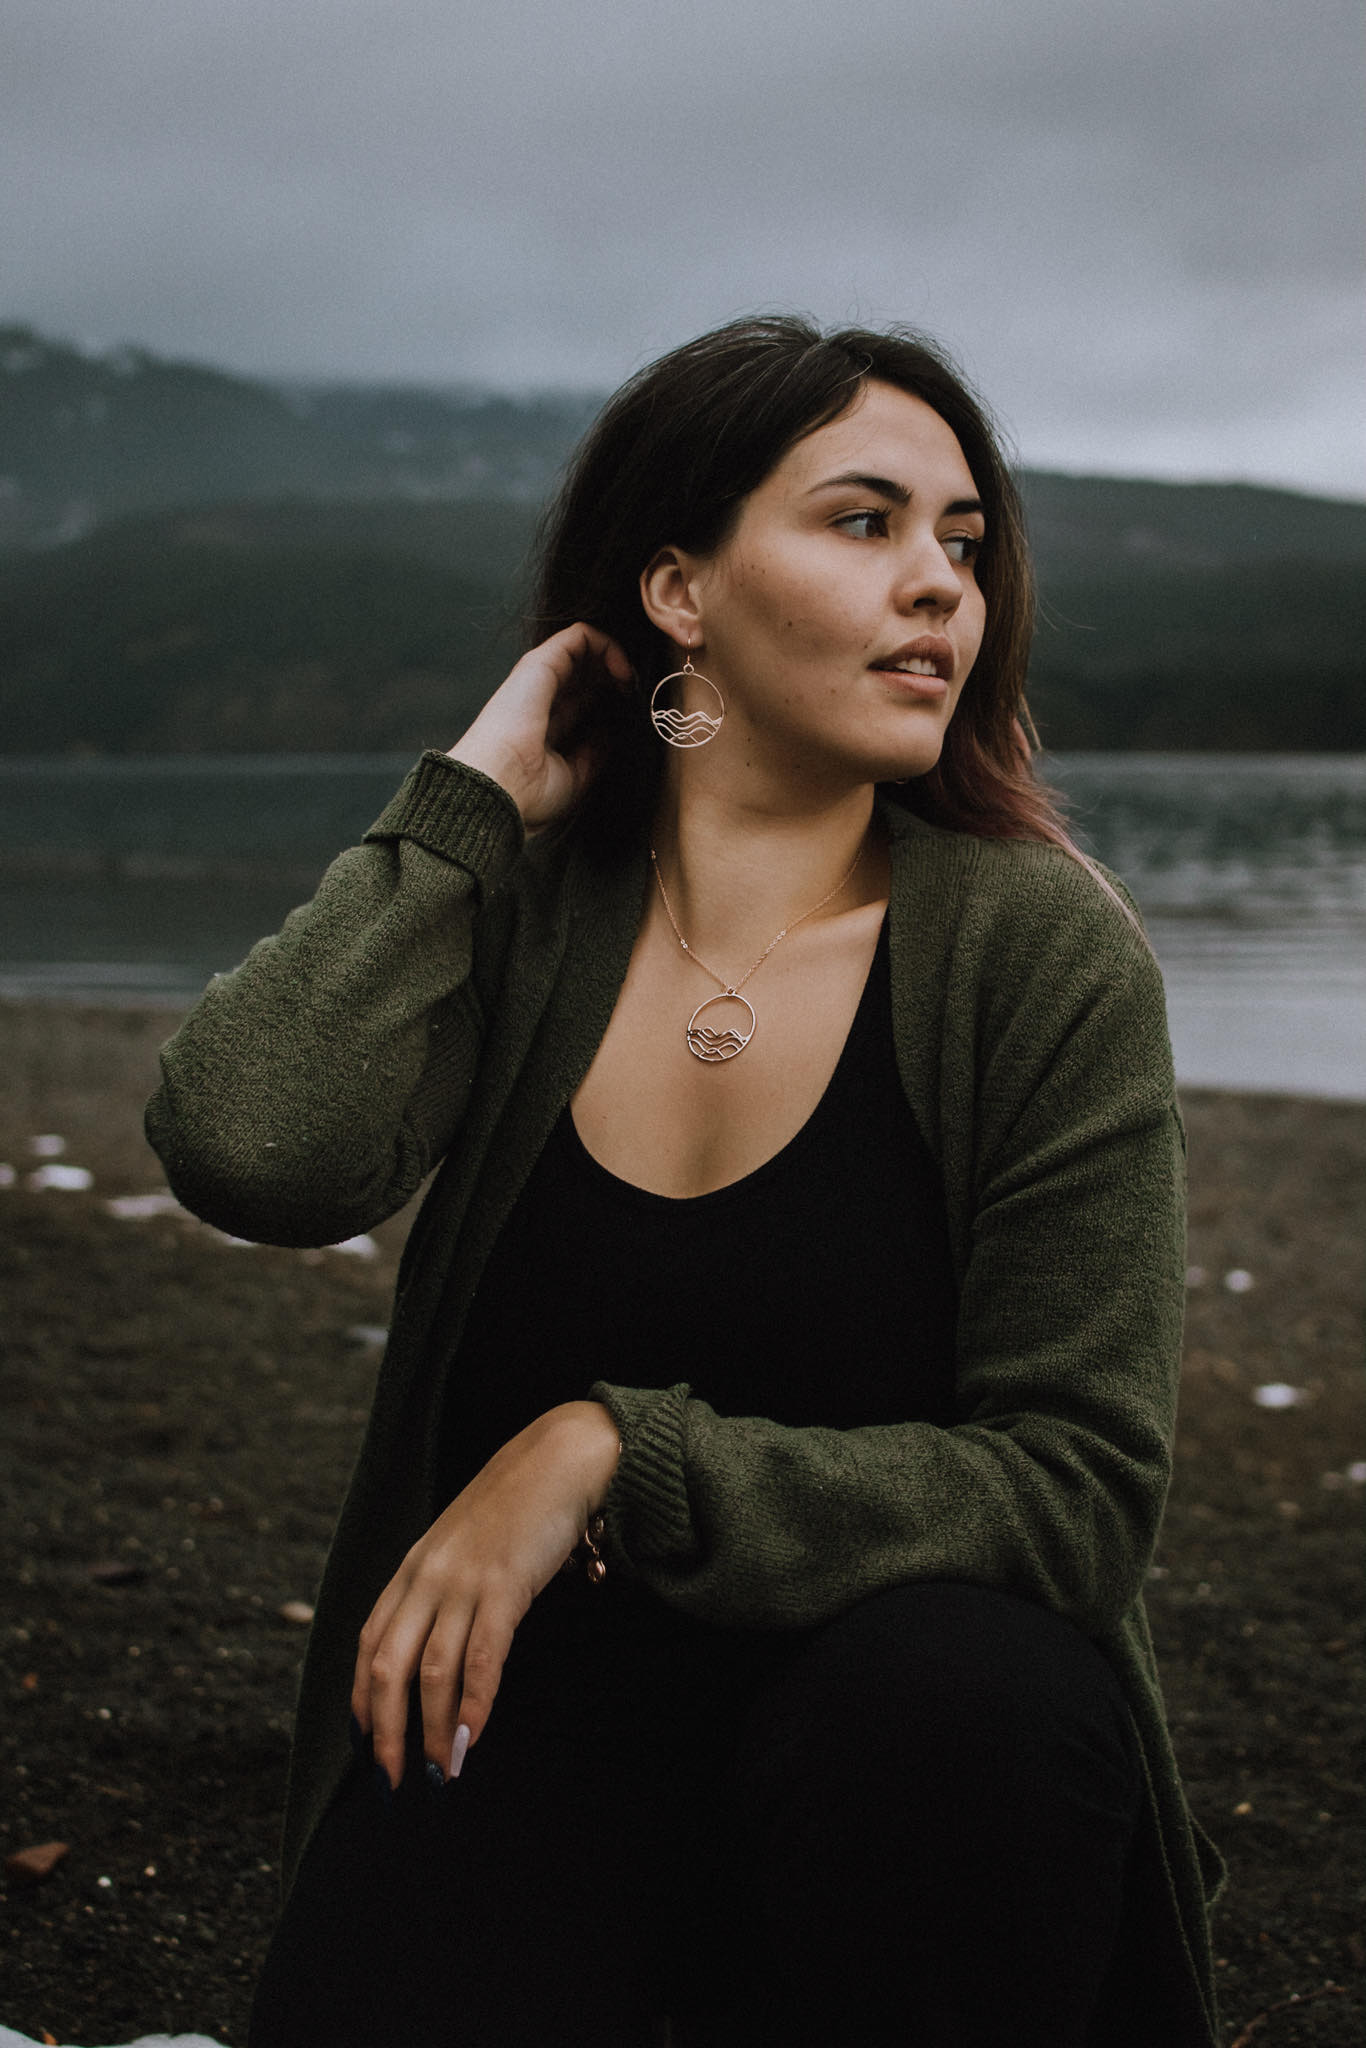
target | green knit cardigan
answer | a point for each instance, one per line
(438, 1002)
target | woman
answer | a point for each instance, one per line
(805, 1254)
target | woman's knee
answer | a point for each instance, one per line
(940, 1772)
(957, 1678)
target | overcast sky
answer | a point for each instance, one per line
(1136, 222)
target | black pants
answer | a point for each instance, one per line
(909, 1825)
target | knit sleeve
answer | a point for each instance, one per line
(1052, 1479)
(310, 1091)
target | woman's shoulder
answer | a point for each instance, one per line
(1013, 888)
(1021, 976)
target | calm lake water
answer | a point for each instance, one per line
(136, 880)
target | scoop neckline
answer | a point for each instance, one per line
(777, 1162)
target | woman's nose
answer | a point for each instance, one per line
(928, 580)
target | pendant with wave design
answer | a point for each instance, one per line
(704, 1043)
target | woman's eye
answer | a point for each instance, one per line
(873, 525)
(963, 547)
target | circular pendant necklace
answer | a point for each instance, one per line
(707, 1042)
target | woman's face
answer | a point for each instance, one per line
(842, 616)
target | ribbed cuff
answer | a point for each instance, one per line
(457, 813)
(649, 1517)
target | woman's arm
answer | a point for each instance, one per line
(309, 1093)
(1051, 1483)
(448, 1615)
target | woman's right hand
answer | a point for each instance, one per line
(525, 736)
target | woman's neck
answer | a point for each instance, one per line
(737, 870)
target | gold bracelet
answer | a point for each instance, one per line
(587, 1554)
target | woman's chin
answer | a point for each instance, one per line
(907, 764)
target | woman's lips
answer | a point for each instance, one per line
(920, 667)
(907, 683)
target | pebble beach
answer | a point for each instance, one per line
(181, 1413)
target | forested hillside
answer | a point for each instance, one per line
(191, 562)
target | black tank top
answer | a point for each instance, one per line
(816, 1290)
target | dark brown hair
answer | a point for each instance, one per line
(669, 462)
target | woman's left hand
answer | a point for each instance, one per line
(449, 1613)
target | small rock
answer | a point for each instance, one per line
(1356, 1473)
(297, 1611)
(73, 1179)
(1276, 1394)
(38, 1862)
(50, 1147)
(137, 1208)
(1239, 1281)
(362, 1247)
(370, 1334)
(7, 1175)
(1195, 1276)
(116, 1571)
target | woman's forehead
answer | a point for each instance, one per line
(885, 433)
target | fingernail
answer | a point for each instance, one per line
(359, 1738)
(434, 1775)
(458, 1748)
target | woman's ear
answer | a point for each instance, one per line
(668, 591)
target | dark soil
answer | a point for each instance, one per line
(180, 1418)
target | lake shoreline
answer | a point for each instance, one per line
(144, 1011)
(133, 881)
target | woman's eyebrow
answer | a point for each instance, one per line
(884, 487)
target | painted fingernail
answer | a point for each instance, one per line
(458, 1748)
(434, 1775)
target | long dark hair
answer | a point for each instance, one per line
(669, 462)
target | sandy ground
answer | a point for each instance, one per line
(180, 1417)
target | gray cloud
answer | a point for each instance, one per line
(1136, 226)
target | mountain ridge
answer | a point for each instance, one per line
(192, 561)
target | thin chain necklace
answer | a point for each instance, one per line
(704, 1043)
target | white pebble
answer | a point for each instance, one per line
(1357, 1472)
(1195, 1276)
(50, 1147)
(362, 1247)
(368, 1333)
(137, 1208)
(10, 2039)
(1276, 1394)
(7, 1176)
(73, 1178)
(1238, 1281)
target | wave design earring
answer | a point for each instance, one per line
(690, 728)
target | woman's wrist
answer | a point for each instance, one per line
(499, 764)
(596, 1446)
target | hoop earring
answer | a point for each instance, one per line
(686, 729)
